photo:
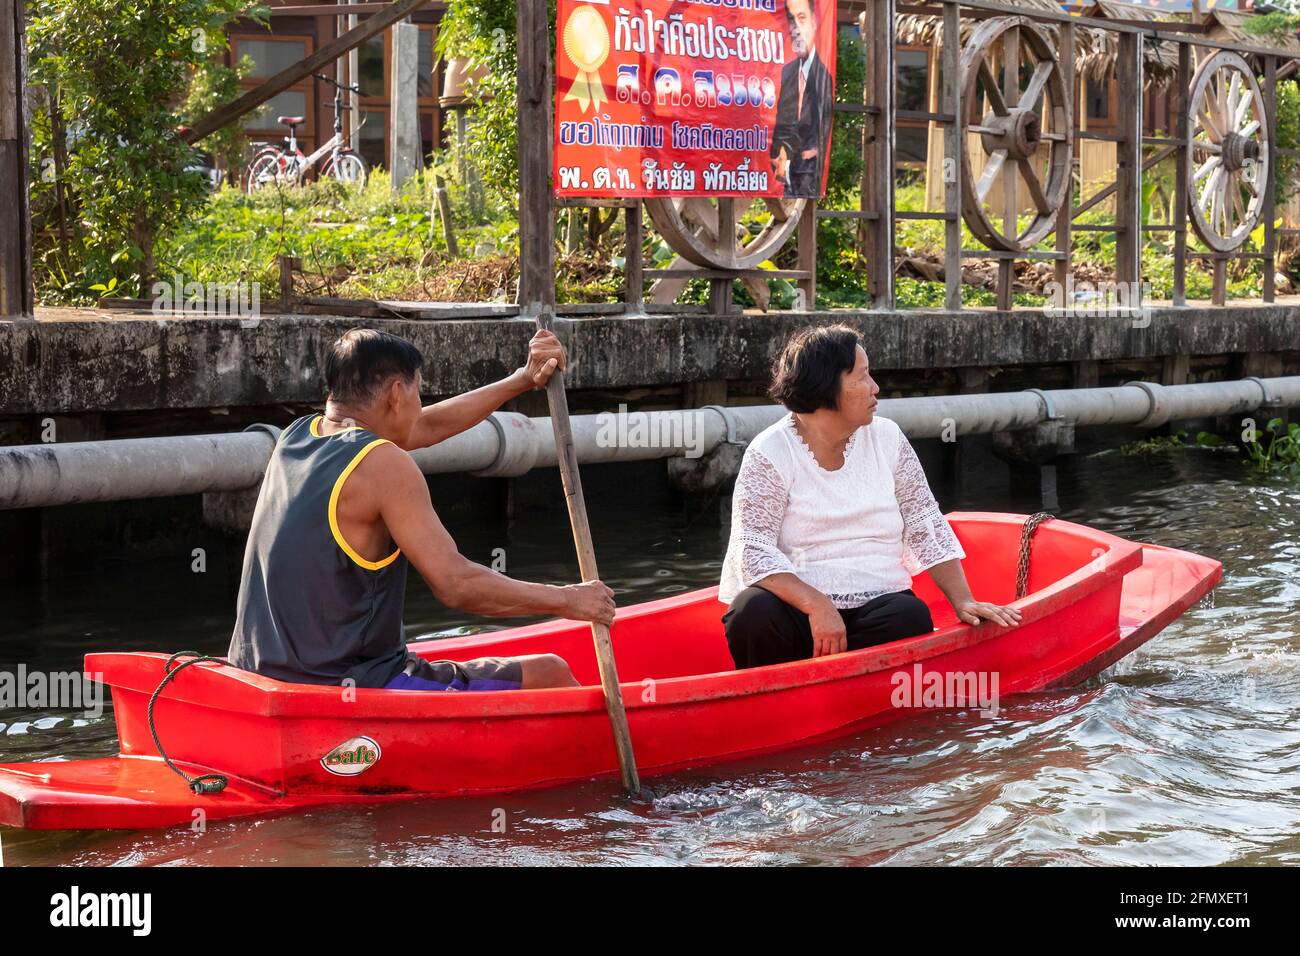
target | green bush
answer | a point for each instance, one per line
(111, 75)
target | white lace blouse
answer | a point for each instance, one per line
(854, 534)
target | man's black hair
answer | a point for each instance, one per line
(362, 361)
(806, 375)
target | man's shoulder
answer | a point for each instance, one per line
(382, 453)
(380, 463)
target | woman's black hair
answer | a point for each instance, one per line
(806, 375)
(363, 360)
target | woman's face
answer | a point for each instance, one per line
(858, 391)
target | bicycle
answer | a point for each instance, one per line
(287, 165)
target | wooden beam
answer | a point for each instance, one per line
(879, 152)
(952, 105)
(536, 212)
(633, 261)
(224, 115)
(1064, 220)
(1128, 156)
(720, 297)
(16, 293)
(1181, 170)
(344, 9)
(1268, 293)
(807, 253)
(1159, 156)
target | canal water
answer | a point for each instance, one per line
(1187, 752)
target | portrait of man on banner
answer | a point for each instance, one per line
(801, 137)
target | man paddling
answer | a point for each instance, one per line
(343, 509)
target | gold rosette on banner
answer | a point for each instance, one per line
(586, 41)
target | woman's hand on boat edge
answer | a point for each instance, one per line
(974, 612)
(590, 601)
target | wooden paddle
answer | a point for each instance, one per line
(568, 460)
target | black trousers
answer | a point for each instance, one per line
(763, 629)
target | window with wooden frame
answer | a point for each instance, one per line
(372, 138)
(1099, 101)
(374, 72)
(270, 55)
(912, 68)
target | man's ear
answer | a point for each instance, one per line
(394, 394)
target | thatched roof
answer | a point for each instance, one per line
(1095, 51)
(1230, 26)
(1161, 58)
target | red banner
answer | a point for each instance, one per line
(693, 97)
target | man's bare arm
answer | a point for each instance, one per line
(442, 420)
(404, 506)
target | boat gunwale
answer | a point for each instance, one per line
(267, 697)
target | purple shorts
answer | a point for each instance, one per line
(485, 673)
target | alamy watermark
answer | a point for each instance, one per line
(945, 689)
(23, 689)
(1130, 300)
(675, 429)
(242, 300)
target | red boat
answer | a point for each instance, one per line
(1092, 598)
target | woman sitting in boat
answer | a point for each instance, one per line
(832, 517)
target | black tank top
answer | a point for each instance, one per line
(312, 610)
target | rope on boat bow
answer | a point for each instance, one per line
(204, 783)
(1026, 545)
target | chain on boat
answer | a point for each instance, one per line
(1026, 546)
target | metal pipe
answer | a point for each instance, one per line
(509, 444)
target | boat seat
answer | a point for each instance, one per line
(289, 120)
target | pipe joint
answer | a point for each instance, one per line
(728, 421)
(1050, 413)
(1269, 400)
(1158, 409)
(517, 446)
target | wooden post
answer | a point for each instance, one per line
(1006, 277)
(953, 106)
(879, 173)
(1065, 218)
(1270, 186)
(633, 263)
(537, 298)
(1219, 291)
(1010, 181)
(442, 203)
(1128, 155)
(861, 238)
(16, 293)
(720, 289)
(287, 266)
(536, 209)
(808, 255)
(1182, 165)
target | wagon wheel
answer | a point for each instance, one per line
(690, 227)
(1228, 175)
(1025, 137)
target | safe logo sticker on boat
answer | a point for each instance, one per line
(352, 757)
